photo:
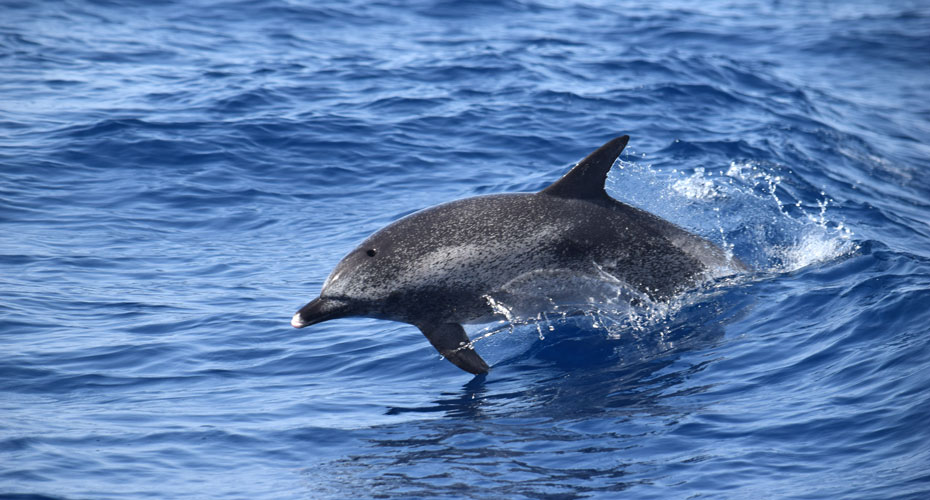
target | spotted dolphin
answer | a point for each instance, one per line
(443, 266)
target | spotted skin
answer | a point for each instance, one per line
(436, 268)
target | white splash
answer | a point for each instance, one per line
(696, 186)
(748, 208)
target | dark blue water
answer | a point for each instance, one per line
(176, 179)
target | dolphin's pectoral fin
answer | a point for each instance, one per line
(452, 342)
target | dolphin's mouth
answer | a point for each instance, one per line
(319, 310)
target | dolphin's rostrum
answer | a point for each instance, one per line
(439, 267)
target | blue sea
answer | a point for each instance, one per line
(178, 178)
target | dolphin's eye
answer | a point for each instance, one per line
(371, 252)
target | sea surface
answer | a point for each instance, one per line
(178, 178)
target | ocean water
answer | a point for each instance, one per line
(177, 178)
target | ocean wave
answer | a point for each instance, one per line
(176, 179)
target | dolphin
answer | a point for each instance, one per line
(445, 265)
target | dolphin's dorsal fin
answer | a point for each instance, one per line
(586, 179)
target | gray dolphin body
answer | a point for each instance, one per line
(439, 268)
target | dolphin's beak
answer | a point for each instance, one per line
(319, 310)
